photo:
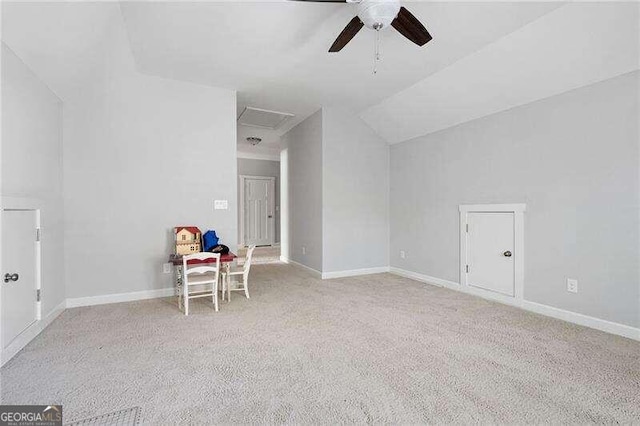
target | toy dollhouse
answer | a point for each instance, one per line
(188, 240)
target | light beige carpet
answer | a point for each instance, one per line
(378, 349)
(261, 255)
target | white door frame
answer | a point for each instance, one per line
(518, 233)
(23, 204)
(272, 207)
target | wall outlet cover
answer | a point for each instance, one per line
(166, 268)
(221, 204)
(402, 254)
(304, 250)
(572, 285)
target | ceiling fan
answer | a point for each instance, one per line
(377, 15)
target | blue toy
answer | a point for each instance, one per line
(209, 240)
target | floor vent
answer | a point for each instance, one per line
(128, 417)
(265, 119)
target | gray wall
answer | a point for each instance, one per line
(142, 155)
(304, 145)
(32, 162)
(251, 167)
(355, 194)
(572, 158)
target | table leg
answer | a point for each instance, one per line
(178, 283)
(227, 269)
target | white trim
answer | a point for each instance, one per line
(30, 333)
(284, 203)
(284, 259)
(518, 235)
(34, 205)
(354, 272)
(538, 308)
(285, 117)
(272, 202)
(313, 272)
(584, 320)
(258, 156)
(424, 278)
(120, 297)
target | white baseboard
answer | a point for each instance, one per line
(30, 333)
(120, 297)
(550, 311)
(22, 340)
(336, 274)
(424, 278)
(313, 272)
(585, 320)
(354, 272)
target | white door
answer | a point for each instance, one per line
(259, 222)
(19, 275)
(490, 251)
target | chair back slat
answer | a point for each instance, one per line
(201, 256)
(200, 268)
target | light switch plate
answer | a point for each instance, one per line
(220, 204)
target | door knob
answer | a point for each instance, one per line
(507, 253)
(11, 277)
(270, 216)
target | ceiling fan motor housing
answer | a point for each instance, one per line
(378, 14)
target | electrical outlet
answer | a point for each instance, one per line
(402, 254)
(572, 285)
(304, 250)
(166, 268)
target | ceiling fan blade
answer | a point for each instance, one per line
(347, 34)
(409, 26)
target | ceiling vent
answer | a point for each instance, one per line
(265, 119)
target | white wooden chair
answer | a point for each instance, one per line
(200, 275)
(244, 272)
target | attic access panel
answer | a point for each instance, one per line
(263, 118)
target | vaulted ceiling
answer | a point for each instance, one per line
(274, 53)
(573, 46)
(59, 41)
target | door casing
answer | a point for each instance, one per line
(23, 204)
(518, 217)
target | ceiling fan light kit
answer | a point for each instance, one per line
(254, 140)
(378, 15)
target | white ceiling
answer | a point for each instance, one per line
(58, 40)
(573, 46)
(275, 55)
